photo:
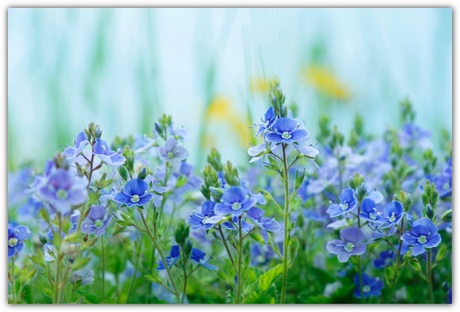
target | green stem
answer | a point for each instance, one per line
(13, 280)
(398, 261)
(226, 245)
(429, 276)
(57, 237)
(103, 268)
(154, 241)
(136, 264)
(240, 258)
(184, 291)
(286, 227)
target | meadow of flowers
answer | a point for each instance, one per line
(337, 218)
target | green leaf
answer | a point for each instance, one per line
(45, 215)
(154, 277)
(269, 277)
(257, 237)
(442, 252)
(80, 263)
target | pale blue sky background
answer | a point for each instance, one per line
(122, 68)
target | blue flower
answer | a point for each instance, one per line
(287, 131)
(16, 237)
(268, 121)
(171, 151)
(204, 219)
(198, 256)
(352, 243)
(369, 211)
(135, 193)
(424, 234)
(103, 152)
(385, 259)
(174, 255)
(261, 254)
(85, 276)
(371, 286)
(256, 215)
(235, 201)
(348, 203)
(96, 223)
(80, 143)
(62, 189)
(392, 214)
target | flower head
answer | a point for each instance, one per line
(135, 193)
(352, 243)
(16, 237)
(392, 214)
(369, 211)
(85, 276)
(62, 189)
(97, 221)
(174, 255)
(371, 286)
(80, 143)
(171, 151)
(204, 219)
(385, 259)
(103, 152)
(348, 202)
(424, 234)
(287, 131)
(235, 201)
(198, 256)
(256, 215)
(268, 121)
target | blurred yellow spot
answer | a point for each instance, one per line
(325, 82)
(221, 110)
(261, 85)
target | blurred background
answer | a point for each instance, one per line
(211, 70)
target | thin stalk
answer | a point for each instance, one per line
(184, 291)
(398, 261)
(13, 280)
(429, 276)
(225, 244)
(136, 264)
(286, 227)
(240, 258)
(154, 241)
(58, 261)
(103, 268)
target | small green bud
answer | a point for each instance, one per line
(188, 248)
(181, 233)
(429, 212)
(142, 174)
(447, 216)
(123, 173)
(42, 238)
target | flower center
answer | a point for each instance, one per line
(266, 123)
(204, 220)
(12, 242)
(286, 135)
(372, 216)
(135, 198)
(236, 206)
(366, 288)
(260, 258)
(392, 218)
(349, 247)
(422, 239)
(170, 155)
(344, 206)
(61, 194)
(98, 223)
